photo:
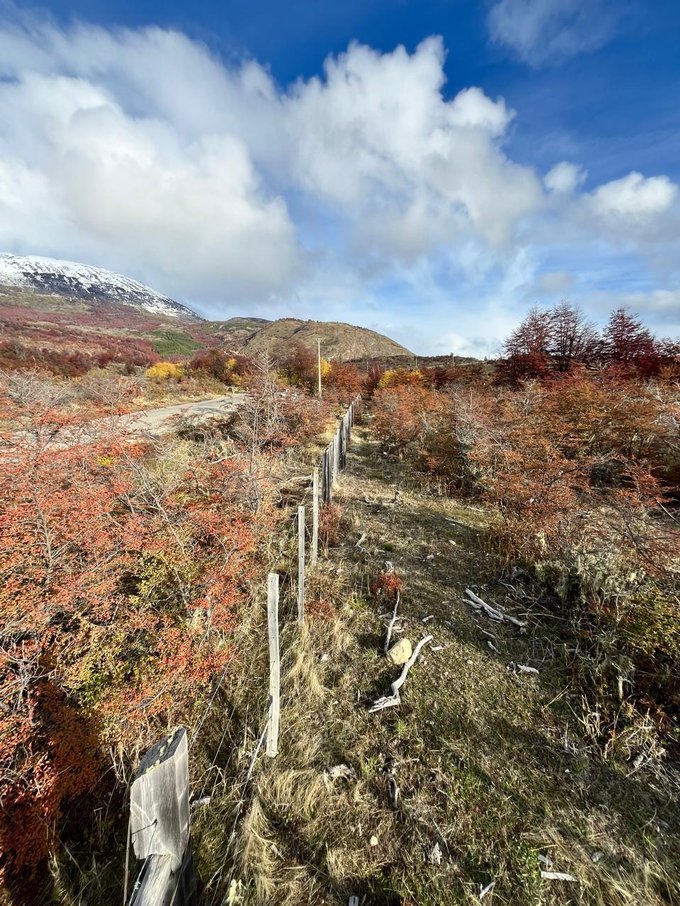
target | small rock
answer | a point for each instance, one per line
(374, 840)
(400, 652)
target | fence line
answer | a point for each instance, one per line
(159, 796)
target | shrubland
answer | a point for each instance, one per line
(126, 570)
(579, 466)
(130, 575)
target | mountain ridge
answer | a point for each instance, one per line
(62, 304)
(86, 282)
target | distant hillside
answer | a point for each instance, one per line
(82, 283)
(342, 342)
(50, 309)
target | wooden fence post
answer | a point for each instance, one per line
(327, 481)
(301, 564)
(274, 665)
(315, 517)
(159, 825)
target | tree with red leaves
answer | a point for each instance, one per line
(628, 343)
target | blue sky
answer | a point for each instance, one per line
(428, 169)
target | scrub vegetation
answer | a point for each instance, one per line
(132, 599)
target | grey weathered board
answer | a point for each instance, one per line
(159, 825)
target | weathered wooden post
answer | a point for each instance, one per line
(315, 517)
(327, 478)
(301, 564)
(274, 664)
(159, 825)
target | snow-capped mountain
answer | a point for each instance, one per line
(90, 284)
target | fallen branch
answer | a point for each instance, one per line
(484, 890)
(521, 668)
(388, 638)
(557, 876)
(495, 613)
(390, 701)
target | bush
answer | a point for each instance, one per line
(165, 371)
(225, 368)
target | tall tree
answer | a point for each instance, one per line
(572, 337)
(626, 341)
(549, 339)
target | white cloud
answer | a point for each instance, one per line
(142, 151)
(377, 139)
(564, 178)
(634, 197)
(366, 189)
(544, 31)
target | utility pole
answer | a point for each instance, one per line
(318, 363)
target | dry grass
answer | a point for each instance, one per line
(494, 769)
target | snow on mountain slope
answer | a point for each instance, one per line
(82, 281)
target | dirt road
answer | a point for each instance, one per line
(159, 421)
(146, 423)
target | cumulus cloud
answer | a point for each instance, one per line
(142, 149)
(634, 197)
(564, 178)
(376, 138)
(369, 188)
(545, 31)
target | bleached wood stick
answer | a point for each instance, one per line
(388, 637)
(557, 876)
(484, 890)
(390, 701)
(495, 613)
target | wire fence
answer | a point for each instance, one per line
(159, 829)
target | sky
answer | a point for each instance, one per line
(430, 169)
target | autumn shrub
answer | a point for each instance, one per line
(123, 569)
(576, 468)
(330, 517)
(165, 371)
(298, 366)
(321, 609)
(345, 380)
(228, 369)
(386, 584)
(401, 377)
(404, 416)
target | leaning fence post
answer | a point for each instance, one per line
(301, 564)
(315, 516)
(274, 664)
(159, 825)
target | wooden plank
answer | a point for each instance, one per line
(158, 885)
(315, 516)
(155, 885)
(274, 665)
(301, 564)
(159, 800)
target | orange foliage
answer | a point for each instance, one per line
(387, 584)
(121, 587)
